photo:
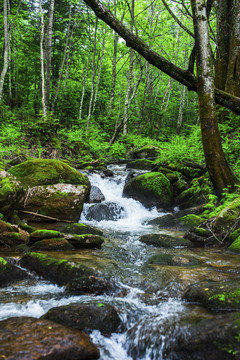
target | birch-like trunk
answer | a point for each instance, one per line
(63, 60)
(6, 48)
(42, 62)
(94, 68)
(49, 50)
(219, 171)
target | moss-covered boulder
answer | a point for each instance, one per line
(6, 227)
(57, 271)
(12, 239)
(86, 241)
(163, 240)
(79, 229)
(10, 273)
(86, 317)
(147, 151)
(60, 201)
(228, 218)
(47, 172)
(216, 295)
(190, 220)
(151, 189)
(59, 244)
(141, 164)
(173, 260)
(11, 193)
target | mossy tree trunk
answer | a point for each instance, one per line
(219, 171)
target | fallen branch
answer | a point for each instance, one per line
(46, 217)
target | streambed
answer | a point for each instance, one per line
(149, 301)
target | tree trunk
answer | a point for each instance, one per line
(49, 50)
(219, 171)
(42, 62)
(6, 48)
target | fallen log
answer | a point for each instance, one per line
(45, 217)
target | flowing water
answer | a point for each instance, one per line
(149, 301)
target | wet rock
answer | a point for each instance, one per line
(190, 220)
(11, 193)
(61, 201)
(59, 272)
(96, 196)
(89, 285)
(59, 244)
(26, 338)
(107, 172)
(80, 229)
(151, 189)
(216, 295)
(173, 260)
(10, 274)
(212, 339)
(86, 317)
(166, 241)
(106, 211)
(165, 221)
(86, 241)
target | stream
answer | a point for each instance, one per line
(149, 302)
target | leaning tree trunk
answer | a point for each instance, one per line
(219, 171)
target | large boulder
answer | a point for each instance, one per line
(11, 193)
(86, 241)
(58, 271)
(151, 189)
(26, 338)
(164, 240)
(147, 151)
(58, 244)
(47, 172)
(61, 201)
(86, 317)
(96, 196)
(10, 273)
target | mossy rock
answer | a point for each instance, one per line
(80, 229)
(47, 172)
(164, 222)
(151, 189)
(59, 272)
(235, 246)
(190, 220)
(59, 201)
(196, 194)
(6, 227)
(228, 217)
(59, 244)
(38, 235)
(86, 241)
(234, 235)
(12, 239)
(216, 295)
(173, 260)
(165, 241)
(141, 164)
(10, 274)
(147, 151)
(11, 193)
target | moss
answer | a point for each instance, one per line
(227, 297)
(79, 229)
(3, 263)
(141, 164)
(1, 216)
(47, 172)
(202, 232)
(235, 246)
(155, 182)
(191, 220)
(45, 234)
(47, 260)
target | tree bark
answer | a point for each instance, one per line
(44, 108)
(219, 171)
(49, 50)
(185, 77)
(6, 48)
